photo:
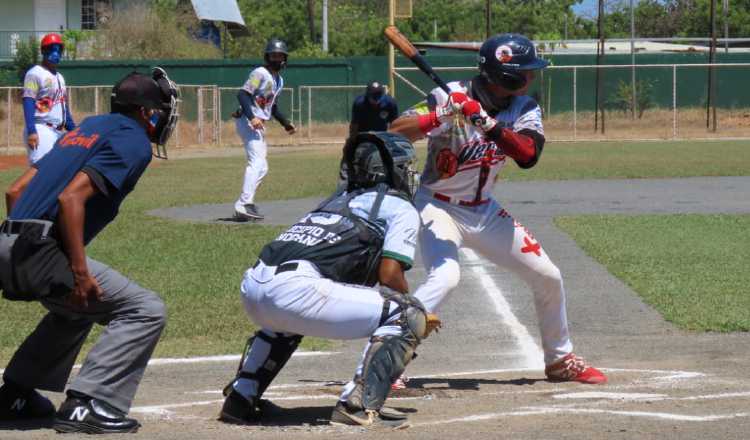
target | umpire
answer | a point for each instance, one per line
(57, 207)
(373, 111)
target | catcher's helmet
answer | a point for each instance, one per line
(275, 45)
(380, 157)
(502, 59)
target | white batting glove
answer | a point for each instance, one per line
(456, 101)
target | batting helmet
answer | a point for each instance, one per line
(380, 157)
(503, 58)
(275, 45)
(51, 39)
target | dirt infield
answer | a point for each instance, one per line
(8, 162)
(481, 376)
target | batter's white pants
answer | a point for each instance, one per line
(257, 164)
(302, 302)
(493, 233)
(47, 138)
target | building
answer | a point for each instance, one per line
(21, 19)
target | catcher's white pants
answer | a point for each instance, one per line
(47, 138)
(302, 302)
(257, 164)
(492, 232)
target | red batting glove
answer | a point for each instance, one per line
(475, 114)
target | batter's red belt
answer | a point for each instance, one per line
(444, 198)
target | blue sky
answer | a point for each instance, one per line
(588, 7)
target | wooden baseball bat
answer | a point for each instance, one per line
(405, 47)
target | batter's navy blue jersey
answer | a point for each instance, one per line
(374, 118)
(113, 150)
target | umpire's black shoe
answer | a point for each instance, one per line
(81, 413)
(239, 410)
(18, 403)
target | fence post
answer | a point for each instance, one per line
(221, 121)
(575, 103)
(200, 115)
(96, 100)
(215, 103)
(674, 101)
(7, 152)
(309, 114)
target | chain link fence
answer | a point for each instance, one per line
(664, 102)
(635, 102)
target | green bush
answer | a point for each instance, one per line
(27, 55)
(622, 99)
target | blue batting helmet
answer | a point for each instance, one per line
(502, 59)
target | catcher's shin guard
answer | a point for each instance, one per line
(264, 356)
(387, 356)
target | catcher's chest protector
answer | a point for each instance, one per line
(343, 246)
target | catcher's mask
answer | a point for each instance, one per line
(156, 92)
(380, 157)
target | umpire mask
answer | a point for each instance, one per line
(381, 157)
(164, 119)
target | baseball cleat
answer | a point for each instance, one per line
(81, 413)
(239, 410)
(399, 383)
(248, 213)
(344, 416)
(573, 368)
(19, 404)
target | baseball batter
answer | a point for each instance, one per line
(257, 99)
(472, 133)
(317, 279)
(45, 101)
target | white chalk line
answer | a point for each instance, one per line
(530, 411)
(219, 358)
(532, 355)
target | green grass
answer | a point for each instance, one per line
(197, 268)
(691, 268)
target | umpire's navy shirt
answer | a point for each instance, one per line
(374, 118)
(113, 150)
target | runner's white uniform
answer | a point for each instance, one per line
(460, 211)
(303, 302)
(265, 88)
(49, 92)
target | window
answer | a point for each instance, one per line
(95, 13)
(88, 14)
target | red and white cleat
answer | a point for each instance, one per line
(399, 383)
(575, 369)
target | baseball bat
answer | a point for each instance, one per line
(404, 46)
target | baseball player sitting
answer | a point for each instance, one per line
(319, 278)
(45, 101)
(63, 202)
(472, 133)
(257, 99)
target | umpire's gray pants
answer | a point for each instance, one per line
(134, 318)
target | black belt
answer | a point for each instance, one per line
(283, 267)
(56, 127)
(15, 227)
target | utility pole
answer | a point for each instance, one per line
(391, 52)
(325, 25)
(711, 101)
(487, 19)
(599, 73)
(632, 60)
(725, 7)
